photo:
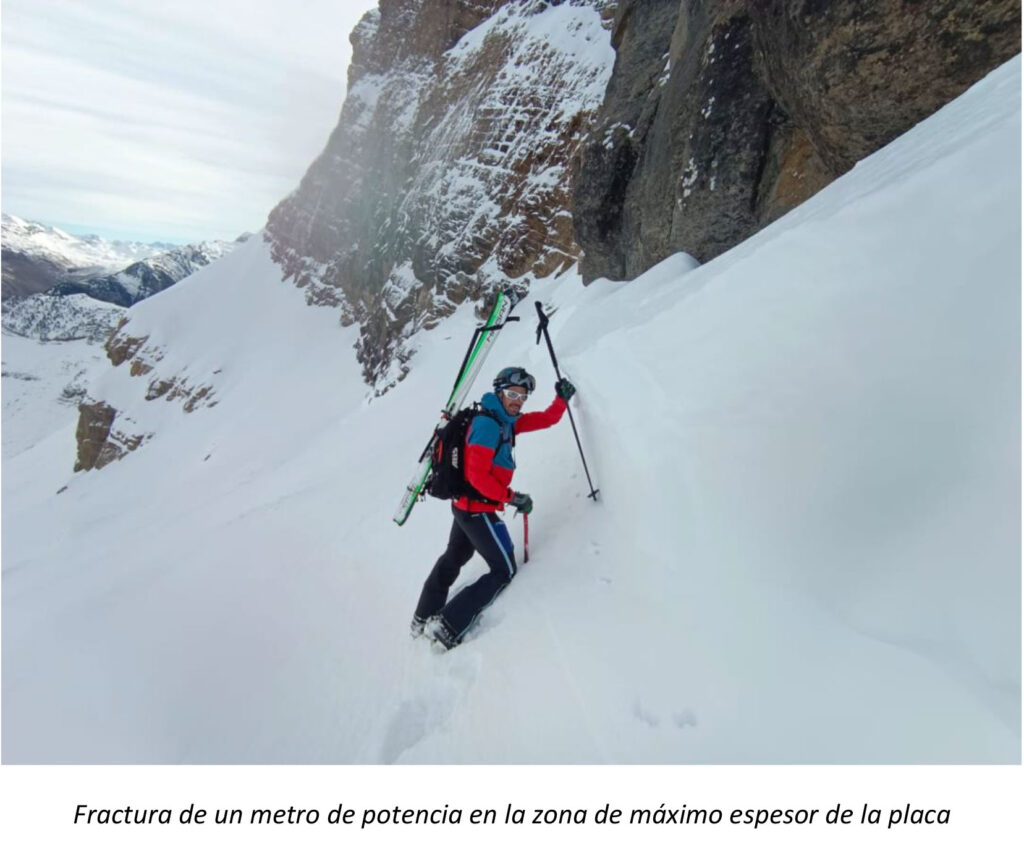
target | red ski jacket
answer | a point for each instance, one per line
(490, 462)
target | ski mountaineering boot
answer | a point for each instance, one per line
(439, 634)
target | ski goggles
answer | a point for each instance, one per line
(516, 377)
(513, 393)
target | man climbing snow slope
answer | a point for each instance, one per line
(489, 466)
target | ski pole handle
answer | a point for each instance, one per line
(542, 320)
(543, 328)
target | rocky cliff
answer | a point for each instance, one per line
(107, 433)
(449, 173)
(722, 115)
(501, 141)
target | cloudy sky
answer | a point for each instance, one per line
(175, 120)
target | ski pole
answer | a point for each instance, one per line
(526, 538)
(543, 327)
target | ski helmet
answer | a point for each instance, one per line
(514, 377)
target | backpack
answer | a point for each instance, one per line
(448, 473)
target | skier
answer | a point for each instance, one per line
(477, 527)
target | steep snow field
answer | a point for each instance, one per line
(42, 385)
(807, 547)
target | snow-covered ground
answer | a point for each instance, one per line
(42, 386)
(61, 318)
(807, 547)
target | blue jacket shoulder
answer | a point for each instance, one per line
(484, 431)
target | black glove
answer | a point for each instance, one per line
(521, 502)
(565, 389)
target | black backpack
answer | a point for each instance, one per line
(448, 473)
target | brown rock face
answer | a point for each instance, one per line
(449, 174)
(94, 422)
(104, 434)
(121, 347)
(858, 74)
(98, 443)
(721, 115)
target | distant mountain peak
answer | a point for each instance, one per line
(37, 256)
(90, 306)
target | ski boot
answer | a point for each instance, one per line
(439, 634)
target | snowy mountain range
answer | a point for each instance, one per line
(36, 256)
(807, 548)
(89, 305)
(146, 277)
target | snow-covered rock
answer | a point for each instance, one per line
(450, 171)
(496, 142)
(48, 317)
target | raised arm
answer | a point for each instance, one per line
(536, 420)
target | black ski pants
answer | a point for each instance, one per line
(471, 532)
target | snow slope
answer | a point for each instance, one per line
(47, 317)
(42, 386)
(807, 547)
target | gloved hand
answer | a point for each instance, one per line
(521, 502)
(565, 389)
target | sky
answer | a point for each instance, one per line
(173, 121)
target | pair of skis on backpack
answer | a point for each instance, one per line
(480, 345)
(426, 479)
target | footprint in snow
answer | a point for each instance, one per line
(682, 719)
(685, 718)
(644, 715)
(411, 724)
(440, 682)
